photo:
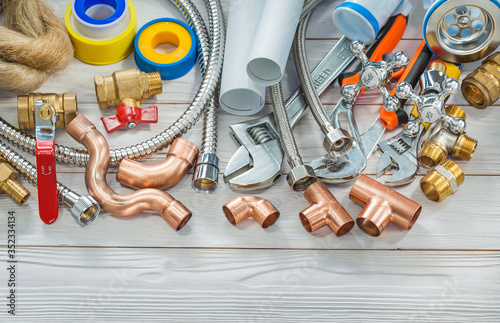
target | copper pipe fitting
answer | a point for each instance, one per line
(180, 159)
(481, 88)
(381, 206)
(442, 181)
(324, 210)
(83, 131)
(259, 209)
(129, 87)
(65, 106)
(448, 137)
(9, 184)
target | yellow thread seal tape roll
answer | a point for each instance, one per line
(102, 31)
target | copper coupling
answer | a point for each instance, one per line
(10, 185)
(180, 159)
(129, 87)
(448, 137)
(65, 106)
(243, 207)
(324, 210)
(442, 181)
(481, 88)
(173, 211)
(382, 205)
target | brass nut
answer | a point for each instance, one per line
(442, 181)
(10, 186)
(65, 106)
(481, 88)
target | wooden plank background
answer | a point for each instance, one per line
(446, 268)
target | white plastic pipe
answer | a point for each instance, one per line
(273, 41)
(239, 94)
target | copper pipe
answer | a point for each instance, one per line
(324, 210)
(180, 159)
(259, 209)
(83, 131)
(381, 206)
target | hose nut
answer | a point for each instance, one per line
(442, 181)
(9, 184)
(324, 210)
(481, 88)
(65, 106)
(338, 142)
(243, 207)
(301, 177)
(206, 173)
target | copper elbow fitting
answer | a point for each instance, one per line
(481, 88)
(324, 210)
(180, 159)
(381, 206)
(83, 131)
(442, 181)
(129, 87)
(65, 106)
(243, 207)
(443, 142)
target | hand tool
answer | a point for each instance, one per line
(258, 161)
(45, 120)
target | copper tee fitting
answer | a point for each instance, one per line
(443, 141)
(129, 87)
(243, 207)
(481, 88)
(65, 106)
(324, 210)
(381, 206)
(442, 181)
(180, 159)
(83, 131)
(9, 184)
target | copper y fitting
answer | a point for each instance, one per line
(324, 210)
(180, 159)
(481, 88)
(442, 181)
(65, 106)
(129, 87)
(83, 131)
(259, 209)
(381, 206)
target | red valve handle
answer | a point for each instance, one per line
(127, 115)
(46, 180)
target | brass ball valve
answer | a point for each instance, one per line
(65, 106)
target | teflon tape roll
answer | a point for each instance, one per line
(101, 41)
(165, 30)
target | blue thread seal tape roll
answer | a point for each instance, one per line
(81, 7)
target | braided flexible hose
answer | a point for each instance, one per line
(211, 71)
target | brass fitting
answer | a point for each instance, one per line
(442, 181)
(129, 87)
(9, 185)
(324, 210)
(243, 207)
(448, 137)
(481, 88)
(381, 206)
(65, 106)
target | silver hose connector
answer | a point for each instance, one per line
(206, 173)
(83, 208)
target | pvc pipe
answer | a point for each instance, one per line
(240, 95)
(273, 41)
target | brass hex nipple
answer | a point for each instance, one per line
(180, 159)
(381, 206)
(481, 88)
(442, 181)
(324, 210)
(259, 209)
(445, 140)
(10, 186)
(65, 106)
(129, 87)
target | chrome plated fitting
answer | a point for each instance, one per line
(442, 181)
(206, 173)
(338, 142)
(300, 177)
(84, 209)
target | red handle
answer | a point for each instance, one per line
(126, 115)
(46, 180)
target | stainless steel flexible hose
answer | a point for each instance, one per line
(212, 49)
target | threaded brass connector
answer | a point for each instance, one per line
(442, 181)
(481, 88)
(129, 86)
(10, 186)
(65, 106)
